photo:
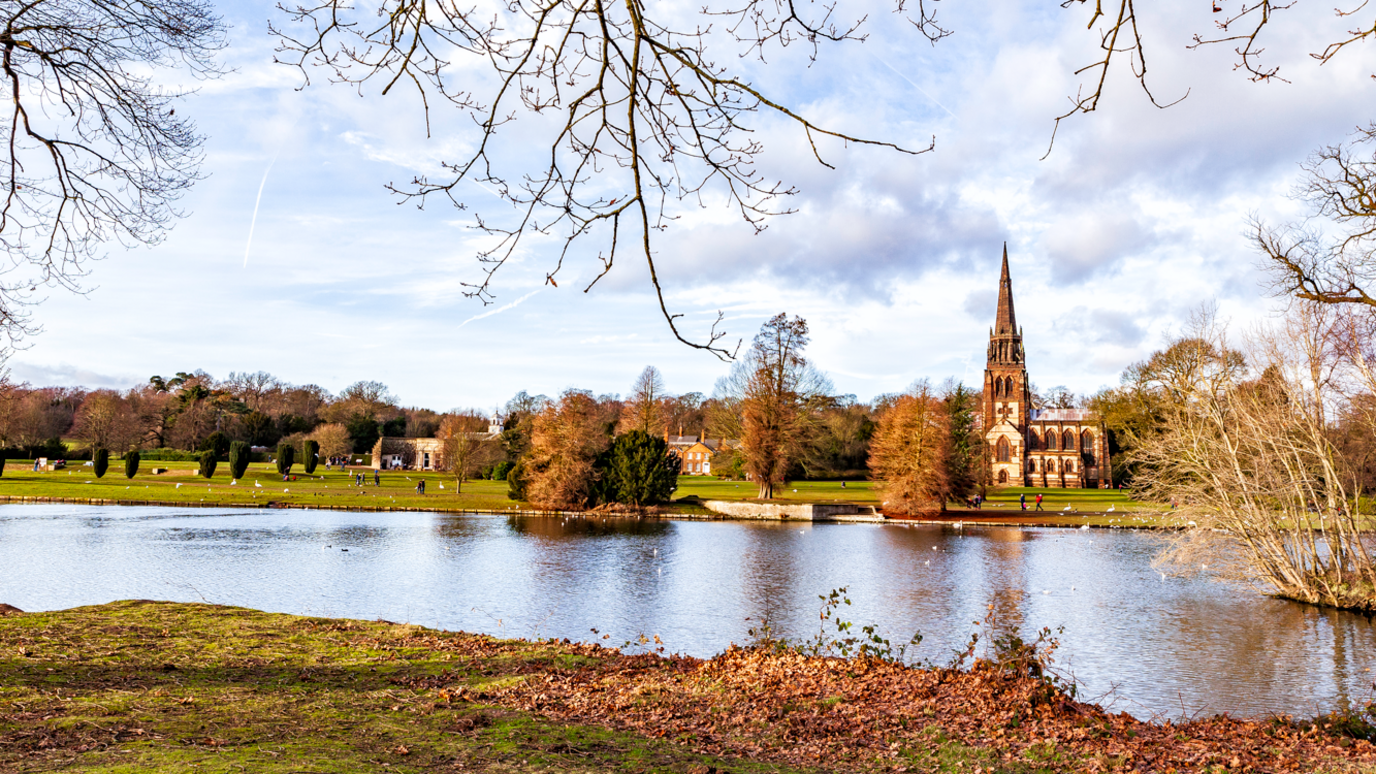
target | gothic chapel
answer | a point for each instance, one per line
(1029, 446)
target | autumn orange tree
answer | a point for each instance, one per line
(910, 452)
(768, 402)
(560, 470)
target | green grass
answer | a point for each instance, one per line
(142, 687)
(333, 488)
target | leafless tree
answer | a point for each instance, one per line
(466, 451)
(334, 440)
(254, 389)
(1331, 258)
(639, 108)
(644, 410)
(107, 420)
(93, 149)
(645, 106)
(363, 398)
(1253, 466)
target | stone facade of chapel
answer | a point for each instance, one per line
(1027, 446)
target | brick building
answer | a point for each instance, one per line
(1029, 446)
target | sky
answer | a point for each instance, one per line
(1136, 219)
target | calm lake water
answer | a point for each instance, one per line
(1147, 645)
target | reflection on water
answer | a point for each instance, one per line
(1154, 646)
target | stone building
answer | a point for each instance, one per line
(393, 453)
(1029, 446)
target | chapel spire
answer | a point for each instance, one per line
(1005, 322)
(1005, 339)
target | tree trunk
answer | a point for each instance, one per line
(766, 490)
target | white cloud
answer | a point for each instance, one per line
(1134, 220)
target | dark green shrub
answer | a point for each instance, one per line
(239, 456)
(217, 442)
(286, 455)
(499, 473)
(131, 464)
(516, 482)
(208, 460)
(364, 431)
(53, 449)
(395, 428)
(3, 455)
(101, 458)
(640, 470)
(310, 455)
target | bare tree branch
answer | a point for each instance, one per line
(93, 148)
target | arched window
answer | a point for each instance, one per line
(1034, 441)
(1004, 450)
(1003, 476)
(1000, 389)
(1086, 441)
(1068, 441)
(1051, 440)
(1031, 466)
(1070, 466)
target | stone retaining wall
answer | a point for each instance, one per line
(801, 512)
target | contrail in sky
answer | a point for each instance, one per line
(915, 86)
(256, 202)
(500, 308)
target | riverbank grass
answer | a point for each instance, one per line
(148, 686)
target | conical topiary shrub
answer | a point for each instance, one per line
(239, 456)
(310, 455)
(131, 464)
(208, 464)
(101, 461)
(286, 455)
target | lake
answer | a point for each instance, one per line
(1133, 640)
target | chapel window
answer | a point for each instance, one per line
(1068, 440)
(1004, 451)
(1086, 441)
(1051, 440)
(1003, 476)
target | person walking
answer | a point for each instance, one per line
(1022, 501)
(1039, 501)
(377, 478)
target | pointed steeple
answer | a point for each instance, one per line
(1005, 322)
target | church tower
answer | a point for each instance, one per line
(1007, 394)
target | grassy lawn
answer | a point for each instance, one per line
(260, 486)
(1059, 506)
(141, 686)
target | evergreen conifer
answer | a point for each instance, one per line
(208, 460)
(310, 455)
(131, 464)
(286, 455)
(239, 456)
(101, 461)
(640, 470)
